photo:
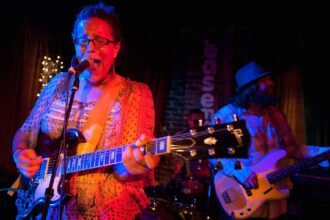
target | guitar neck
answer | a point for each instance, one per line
(201, 142)
(301, 165)
(112, 156)
(102, 158)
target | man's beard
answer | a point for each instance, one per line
(263, 99)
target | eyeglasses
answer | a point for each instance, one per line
(97, 41)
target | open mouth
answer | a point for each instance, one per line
(94, 63)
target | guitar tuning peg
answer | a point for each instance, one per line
(218, 165)
(230, 127)
(231, 151)
(193, 153)
(193, 132)
(211, 151)
(238, 164)
(217, 120)
(211, 130)
(235, 117)
(200, 123)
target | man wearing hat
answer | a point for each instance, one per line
(254, 101)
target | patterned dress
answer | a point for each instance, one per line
(96, 194)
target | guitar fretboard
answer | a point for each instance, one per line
(303, 164)
(104, 158)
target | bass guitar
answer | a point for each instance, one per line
(240, 203)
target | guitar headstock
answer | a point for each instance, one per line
(228, 140)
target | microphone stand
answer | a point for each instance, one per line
(49, 192)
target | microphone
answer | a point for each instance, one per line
(75, 69)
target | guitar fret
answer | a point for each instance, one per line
(83, 162)
(73, 160)
(74, 164)
(87, 161)
(69, 167)
(80, 165)
(119, 154)
(68, 164)
(97, 159)
(101, 158)
(107, 157)
(93, 161)
(112, 156)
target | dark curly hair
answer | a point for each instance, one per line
(244, 96)
(104, 12)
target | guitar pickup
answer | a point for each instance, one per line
(226, 197)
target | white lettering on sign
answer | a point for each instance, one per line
(209, 67)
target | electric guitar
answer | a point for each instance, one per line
(240, 202)
(226, 140)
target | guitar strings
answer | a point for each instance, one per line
(199, 134)
(175, 139)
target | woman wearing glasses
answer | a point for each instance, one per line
(110, 111)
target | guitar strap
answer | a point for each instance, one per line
(97, 119)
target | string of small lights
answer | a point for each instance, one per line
(50, 67)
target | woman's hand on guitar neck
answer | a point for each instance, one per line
(136, 164)
(27, 162)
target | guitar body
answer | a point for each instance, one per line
(31, 195)
(31, 198)
(241, 203)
